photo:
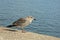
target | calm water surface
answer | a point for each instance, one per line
(47, 13)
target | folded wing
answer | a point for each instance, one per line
(19, 21)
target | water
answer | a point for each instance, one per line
(47, 13)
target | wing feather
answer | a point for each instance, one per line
(19, 21)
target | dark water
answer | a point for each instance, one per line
(47, 13)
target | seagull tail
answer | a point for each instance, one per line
(9, 26)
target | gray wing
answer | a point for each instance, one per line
(19, 21)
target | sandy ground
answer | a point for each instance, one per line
(18, 35)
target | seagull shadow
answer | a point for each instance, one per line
(10, 30)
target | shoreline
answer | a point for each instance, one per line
(18, 35)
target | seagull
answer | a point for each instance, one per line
(22, 22)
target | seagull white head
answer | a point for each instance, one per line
(30, 18)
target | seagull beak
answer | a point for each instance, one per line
(34, 19)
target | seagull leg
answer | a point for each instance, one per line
(23, 31)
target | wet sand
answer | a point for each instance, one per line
(10, 34)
